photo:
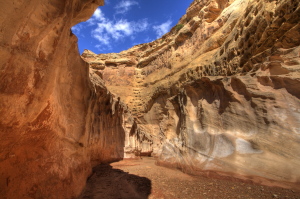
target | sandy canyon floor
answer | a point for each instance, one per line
(142, 178)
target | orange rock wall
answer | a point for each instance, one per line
(57, 118)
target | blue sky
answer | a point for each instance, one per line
(121, 24)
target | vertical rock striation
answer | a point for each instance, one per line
(220, 91)
(57, 118)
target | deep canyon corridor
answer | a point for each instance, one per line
(218, 94)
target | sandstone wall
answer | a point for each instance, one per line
(57, 118)
(220, 91)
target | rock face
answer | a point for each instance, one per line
(220, 92)
(57, 118)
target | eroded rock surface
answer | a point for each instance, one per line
(57, 118)
(220, 92)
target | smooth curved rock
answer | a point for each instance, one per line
(220, 91)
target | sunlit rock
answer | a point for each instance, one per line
(220, 91)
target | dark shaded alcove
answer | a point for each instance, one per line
(108, 183)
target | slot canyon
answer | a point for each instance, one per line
(218, 97)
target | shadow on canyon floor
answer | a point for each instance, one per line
(109, 183)
(122, 180)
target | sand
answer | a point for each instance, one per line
(142, 178)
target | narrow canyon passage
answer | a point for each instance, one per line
(142, 178)
(220, 92)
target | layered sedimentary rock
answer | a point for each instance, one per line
(57, 118)
(219, 92)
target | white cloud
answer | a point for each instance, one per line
(104, 39)
(109, 31)
(124, 6)
(102, 47)
(141, 25)
(98, 16)
(76, 29)
(148, 39)
(162, 28)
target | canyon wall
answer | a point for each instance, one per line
(219, 92)
(57, 118)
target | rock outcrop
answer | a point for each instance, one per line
(57, 118)
(220, 92)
